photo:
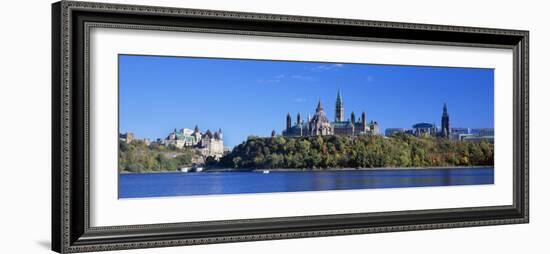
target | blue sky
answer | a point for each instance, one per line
(252, 97)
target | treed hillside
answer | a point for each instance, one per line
(137, 157)
(364, 151)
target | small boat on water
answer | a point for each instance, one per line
(184, 169)
(196, 168)
(265, 171)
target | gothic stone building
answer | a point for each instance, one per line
(127, 137)
(208, 143)
(320, 125)
(428, 129)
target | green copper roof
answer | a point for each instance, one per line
(181, 136)
(345, 124)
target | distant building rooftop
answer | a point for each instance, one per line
(423, 125)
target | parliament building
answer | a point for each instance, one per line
(320, 125)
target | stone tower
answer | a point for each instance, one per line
(445, 128)
(364, 121)
(339, 114)
(220, 133)
(288, 121)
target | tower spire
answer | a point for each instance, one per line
(288, 121)
(364, 121)
(339, 114)
(445, 125)
(319, 106)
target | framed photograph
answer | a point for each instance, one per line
(182, 126)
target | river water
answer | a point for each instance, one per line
(207, 183)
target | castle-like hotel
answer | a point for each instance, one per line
(320, 125)
(208, 143)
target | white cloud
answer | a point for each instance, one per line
(326, 67)
(268, 81)
(281, 77)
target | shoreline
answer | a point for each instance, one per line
(307, 170)
(371, 169)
